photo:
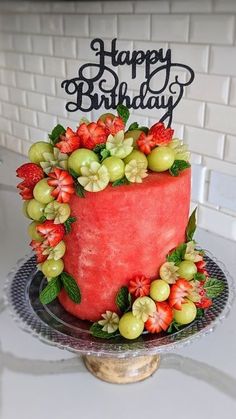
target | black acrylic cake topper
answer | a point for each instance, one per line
(94, 91)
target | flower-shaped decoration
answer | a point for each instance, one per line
(161, 135)
(118, 145)
(143, 307)
(91, 135)
(57, 212)
(63, 183)
(31, 174)
(52, 233)
(146, 143)
(139, 286)
(112, 125)
(135, 171)
(169, 272)
(160, 319)
(68, 142)
(180, 149)
(110, 322)
(179, 291)
(52, 160)
(56, 252)
(39, 248)
(192, 254)
(95, 177)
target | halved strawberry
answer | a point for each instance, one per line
(112, 125)
(139, 286)
(39, 247)
(160, 319)
(68, 142)
(161, 135)
(31, 174)
(52, 233)
(92, 134)
(63, 183)
(146, 143)
(178, 292)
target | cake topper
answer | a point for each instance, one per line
(98, 85)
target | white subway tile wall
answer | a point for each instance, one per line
(41, 43)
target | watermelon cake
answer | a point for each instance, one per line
(109, 208)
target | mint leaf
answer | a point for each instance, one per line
(200, 313)
(213, 287)
(96, 330)
(177, 255)
(42, 219)
(67, 224)
(79, 190)
(123, 112)
(71, 287)
(123, 299)
(133, 126)
(199, 277)
(178, 166)
(101, 151)
(104, 154)
(174, 327)
(51, 291)
(123, 181)
(99, 147)
(191, 227)
(73, 173)
(144, 129)
(56, 133)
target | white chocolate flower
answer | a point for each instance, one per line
(180, 149)
(192, 254)
(110, 322)
(95, 177)
(143, 307)
(168, 272)
(57, 212)
(54, 159)
(135, 171)
(118, 145)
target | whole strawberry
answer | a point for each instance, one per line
(31, 174)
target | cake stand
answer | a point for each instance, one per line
(116, 360)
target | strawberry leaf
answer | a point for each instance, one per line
(67, 224)
(213, 287)
(177, 255)
(56, 133)
(79, 190)
(178, 166)
(71, 287)
(123, 299)
(191, 227)
(51, 291)
(96, 330)
(123, 112)
(123, 181)
(133, 126)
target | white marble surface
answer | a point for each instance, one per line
(40, 381)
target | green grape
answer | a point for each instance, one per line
(105, 115)
(24, 209)
(52, 268)
(42, 191)
(159, 290)
(37, 149)
(187, 269)
(35, 209)
(187, 313)
(81, 157)
(138, 156)
(130, 327)
(34, 235)
(135, 134)
(161, 159)
(115, 167)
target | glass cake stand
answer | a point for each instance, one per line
(115, 360)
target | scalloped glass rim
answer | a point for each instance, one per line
(52, 325)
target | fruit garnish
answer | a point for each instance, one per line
(138, 156)
(187, 269)
(54, 159)
(135, 171)
(81, 157)
(31, 174)
(169, 272)
(194, 294)
(42, 191)
(201, 267)
(115, 167)
(143, 307)
(111, 125)
(139, 286)
(52, 233)
(91, 134)
(192, 254)
(110, 322)
(178, 292)
(118, 145)
(35, 209)
(187, 313)
(161, 159)
(130, 327)
(39, 248)
(180, 149)
(57, 212)
(52, 268)
(161, 135)
(159, 290)
(63, 183)
(56, 252)
(37, 149)
(95, 177)
(204, 302)
(34, 235)
(160, 319)
(146, 143)
(69, 141)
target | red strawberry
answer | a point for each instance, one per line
(31, 174)
(26, 193)
(139, 286)
(146, 143)
(39, 247)
(69, 141)
(161, 135)
(160, 319)
(92, 134)
(63, 183)
(112, 125)
(201, 267)
(204, 303)
(53, 233)
(178, 292)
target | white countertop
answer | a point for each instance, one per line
(40, 381)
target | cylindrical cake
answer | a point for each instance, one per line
(120, 232)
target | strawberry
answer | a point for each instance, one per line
(92, 134)
(161, 135)
(139, 286)
(160, 319)
(204, 302)
(64, 185)
(146, 143)
(26, 192)
(178, 292)
(31, 174)
(68, 142)
(201, 267)
(112, 125)
(38, 247)
(53, 233)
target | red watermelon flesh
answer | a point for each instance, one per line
(122, 231)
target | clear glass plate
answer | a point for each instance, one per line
(53, 325)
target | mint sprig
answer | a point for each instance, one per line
(191, 226)
(51, 291)
(133, 126)
(213, 287)
(178, 166)
(144, 129)
(96, 330)
(54, 136)
(68, 223)
(120, 182)
(42, 219)
(177, 255)
(123, 112)
(71, 287)
(123, 299)
(73, 173)
(199, 277)
(174, 327)
(79, 190)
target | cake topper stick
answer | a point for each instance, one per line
(97, 84)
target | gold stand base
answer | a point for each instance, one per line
(122, 370)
